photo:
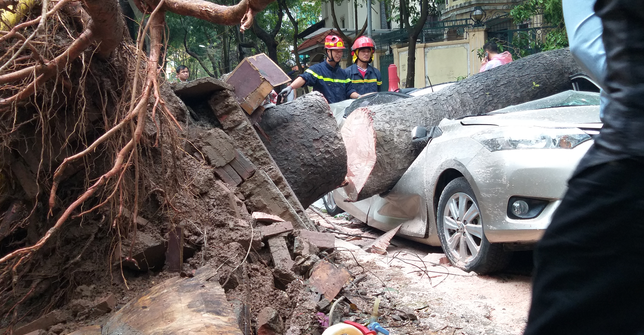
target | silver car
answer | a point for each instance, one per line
(486, 185)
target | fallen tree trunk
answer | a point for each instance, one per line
(378, 138)
(304, 140)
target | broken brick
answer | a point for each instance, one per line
(265, 217)
(279, 251)
(228, 175)
(242, 165)
(329, 279)
(106, 304)
(323, 241)
(276, 229)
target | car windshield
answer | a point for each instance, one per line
(563, 99)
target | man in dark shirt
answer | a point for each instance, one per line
(588, 265)
(365, 78)
(327, 77)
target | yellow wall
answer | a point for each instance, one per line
(442, 61)
(446, 63)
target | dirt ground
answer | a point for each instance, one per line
(422, 294)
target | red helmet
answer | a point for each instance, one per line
(363, 42)
(333, 42)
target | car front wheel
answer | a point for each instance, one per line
(460, 230)
(331, 208)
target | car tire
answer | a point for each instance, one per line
(330, 205)
(460, 230)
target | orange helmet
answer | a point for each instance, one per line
(333, 42)
(362, 42)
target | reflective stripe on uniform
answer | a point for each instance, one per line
(366, 81)
(341, 81)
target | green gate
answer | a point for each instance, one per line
(385, 61)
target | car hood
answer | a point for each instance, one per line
(579, 117)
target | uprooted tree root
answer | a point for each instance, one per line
(99, 105)
(86, 139)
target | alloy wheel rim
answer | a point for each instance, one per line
(462, 227)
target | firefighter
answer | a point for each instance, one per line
(327, 77)
(365, 78)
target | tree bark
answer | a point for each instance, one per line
(305, 142)
(387, 152)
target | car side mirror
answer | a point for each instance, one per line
(420, 136)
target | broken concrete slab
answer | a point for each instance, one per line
(196, 305)
(201, 88)
(44, 322)
(276, 229)
(217, 147)
(263, 195)
(237, 126)
(323, 241)
(328, 279)
(279, 251)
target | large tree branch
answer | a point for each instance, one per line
(107, 24)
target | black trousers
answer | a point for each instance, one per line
(590, 263)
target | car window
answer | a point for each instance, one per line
(563, 99)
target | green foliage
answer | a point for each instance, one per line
(213, 44)
(525, 42)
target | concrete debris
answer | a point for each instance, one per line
(269, 322)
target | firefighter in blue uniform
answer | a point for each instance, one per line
(365, 78)
(327, 77)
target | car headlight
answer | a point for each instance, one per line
(512, 138)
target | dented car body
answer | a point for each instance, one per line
(484, 185)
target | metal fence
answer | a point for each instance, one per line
(433, 31)
(520, 39)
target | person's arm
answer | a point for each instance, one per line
(297, 83)
(584, 30)
(354, 95)
(379, 79)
